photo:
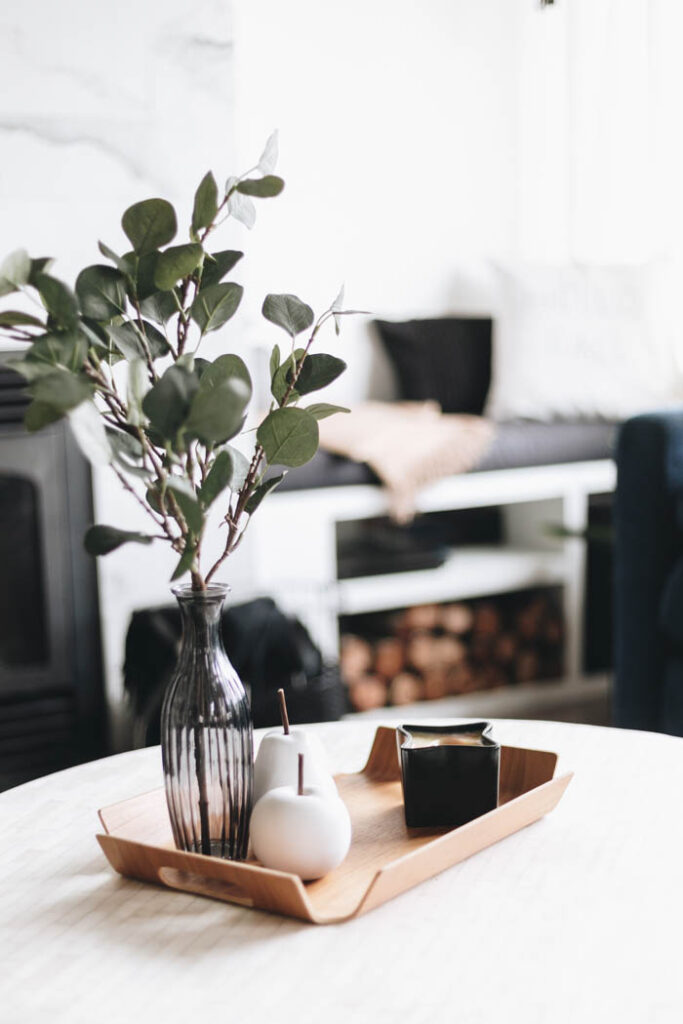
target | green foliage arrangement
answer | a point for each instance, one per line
(167, 422)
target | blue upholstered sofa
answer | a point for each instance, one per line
(649, 574)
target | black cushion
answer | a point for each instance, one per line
(446, 359)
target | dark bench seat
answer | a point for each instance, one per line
(517, 443)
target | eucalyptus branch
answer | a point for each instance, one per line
(142, 334)
(18, 337)
(196, 277)
(149, 452)
(183, 318)
(170, 421)
(108, 392)
(17, 334)
(143, 504)
(233, 519)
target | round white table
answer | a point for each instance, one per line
(575, 919)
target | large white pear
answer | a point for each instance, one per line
(307, 833)
(277, 762)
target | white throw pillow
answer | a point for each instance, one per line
(583, 341)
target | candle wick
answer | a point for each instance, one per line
(283, 711)
(300, 787)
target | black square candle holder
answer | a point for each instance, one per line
(450, 773)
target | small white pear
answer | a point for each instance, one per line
(300, 829)
(277, 759)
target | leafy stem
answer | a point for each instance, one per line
(166, 425)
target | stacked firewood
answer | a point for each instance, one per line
(433, 651)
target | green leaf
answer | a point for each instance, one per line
(100, 540)
(240, 467)
(127, 339)
(338, 302)
(318, 371)
(187, 360)
(124, 445)
(200, 367)
(88, 429)
(95, 334)
(152, 496)
(215, 305)
(120, 262)
(59, 300)
(176, 262)
(39, 415)
(322, 410)
(224, 368)
(268, 159)
(187, 501)
(282, 377)
(41, 265)
(127, 453)
(62, 390)
(339, 313)
(217, 413)
(142, 273)
(259, 494)
(139, 472)
(16, 268)
(205, 202)
(15, 265)
(13, 318)
(264, 188)
(168, 402)
(218, 264)
(101, 291)
(186, 562)
(240, 207)
(274, 361)
(149, 224)
(29, 370)
(288, 312)
(67, 350)
(289, 437)
(335, 307)
(218, 478)
(137, 387)
(159, 307)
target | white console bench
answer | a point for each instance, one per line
(294, 546)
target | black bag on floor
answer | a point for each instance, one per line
(268, 649)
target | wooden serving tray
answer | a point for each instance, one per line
(385, 857)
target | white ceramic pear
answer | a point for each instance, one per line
(301, 830)
(277, 759)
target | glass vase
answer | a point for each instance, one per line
(206, 735)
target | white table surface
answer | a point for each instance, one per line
(576, 919)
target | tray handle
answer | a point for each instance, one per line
(189, 881)
(244, 883)
(383, 764)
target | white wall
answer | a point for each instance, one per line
(101, 107)
(398, 145)
(397, 122)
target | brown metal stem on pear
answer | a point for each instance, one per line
(300, 787)
(283, 711)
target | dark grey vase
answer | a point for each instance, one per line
(206, 736)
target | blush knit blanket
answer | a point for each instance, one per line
(408, 445)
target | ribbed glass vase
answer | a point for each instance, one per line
(206, 736)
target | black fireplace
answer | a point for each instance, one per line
(52, 707)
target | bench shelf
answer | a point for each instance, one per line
(530, 498)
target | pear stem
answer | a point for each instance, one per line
(300, 787)
(283, 711)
